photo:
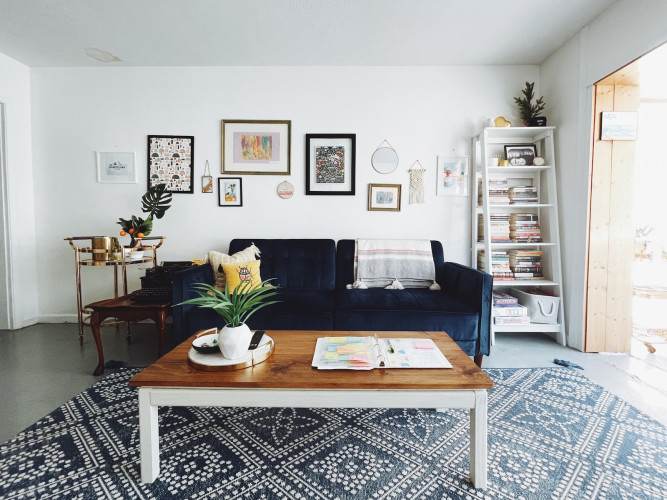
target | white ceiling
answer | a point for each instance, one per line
(290, 32)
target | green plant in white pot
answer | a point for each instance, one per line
(236, 307)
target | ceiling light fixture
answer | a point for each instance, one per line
(101, 55)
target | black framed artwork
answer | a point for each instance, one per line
(171, 160)
(330, 164)
(230, 192)
(520, 155)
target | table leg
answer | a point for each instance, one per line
(161, 330)
(478, 436)
(95, 321)
(149, 437)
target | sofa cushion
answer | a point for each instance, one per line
(413, 299)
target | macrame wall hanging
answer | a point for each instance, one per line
(416, 172)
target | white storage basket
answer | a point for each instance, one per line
(542, 308)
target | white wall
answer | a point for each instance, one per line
(15, 94)
(627, 30)
(422, 111)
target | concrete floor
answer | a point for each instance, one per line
(43, 366)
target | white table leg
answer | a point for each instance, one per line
(478, 441)
(149, 437)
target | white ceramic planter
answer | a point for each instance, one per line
(234, 341)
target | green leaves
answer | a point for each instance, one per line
(527, 109)
(239, 305)
(156, 201)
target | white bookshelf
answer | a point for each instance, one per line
(487, 144)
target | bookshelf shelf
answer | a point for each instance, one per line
(542, 179)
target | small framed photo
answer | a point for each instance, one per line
(330, 164)
(116, 168)
(452, 176)
(520, 155)
(618, 126)
(171, 162)
(230, 192)
(256, 147)
(384, 197)
(206, 184)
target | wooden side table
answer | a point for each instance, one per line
(124, 309)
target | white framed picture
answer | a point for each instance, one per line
(618, 126)
(452, 176)
(116, 168)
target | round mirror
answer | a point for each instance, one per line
(385, 160)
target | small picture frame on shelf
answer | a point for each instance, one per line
(230, 192)
(384, 197)
(520, 155)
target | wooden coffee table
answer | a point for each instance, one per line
(288, 380)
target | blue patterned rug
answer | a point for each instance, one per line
(552, 434)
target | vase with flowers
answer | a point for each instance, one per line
(155, 202)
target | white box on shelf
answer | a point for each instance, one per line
(542, 307)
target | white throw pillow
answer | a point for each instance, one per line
(217, 259)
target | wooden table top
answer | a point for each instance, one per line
(290, 368)
(126, 302)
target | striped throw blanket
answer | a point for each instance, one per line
(394, 264)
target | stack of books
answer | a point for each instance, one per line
(500, 264)
(500, 228)
(526, 264)
(508, 311)
(525, 228)
(522, 194)
(499, 191)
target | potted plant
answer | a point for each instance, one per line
(236, 307)
(529, 111)
(155, 202)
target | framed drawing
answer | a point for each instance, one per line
(171, 162)
(618, 126)
(384, 197)
(230, 192)
(520, 155)
(116, 168)
(256, 147)
(330, 164)
(451, 176)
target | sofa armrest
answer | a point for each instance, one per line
(474, 288)
(183, 289)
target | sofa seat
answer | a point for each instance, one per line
(410, 298)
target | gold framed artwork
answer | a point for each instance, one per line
(384, 197)
(256, 147)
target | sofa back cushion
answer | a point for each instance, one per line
(295, 263)
(345, 260)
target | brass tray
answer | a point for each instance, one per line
(215, 362)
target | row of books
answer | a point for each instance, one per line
(512, 264)
(508, 311)
(522, 194)
(514, 228)
(502, 193)
(500, 264)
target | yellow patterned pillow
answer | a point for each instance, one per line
(242, 272)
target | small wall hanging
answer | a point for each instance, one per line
(207, 180)
(416, 172)
(384, 197)
(285, 190)
(385, 158)
(230, 192)
(452, 176)
(171, 162)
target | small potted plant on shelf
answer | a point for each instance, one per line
(529, 110)
(236, 307)
(155, 202)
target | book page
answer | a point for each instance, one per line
(414, 353)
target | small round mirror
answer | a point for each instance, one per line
(385, 159)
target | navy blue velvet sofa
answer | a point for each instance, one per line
(312, 275)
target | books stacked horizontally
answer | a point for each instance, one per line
(526, 264)
(500, 264)
(499, 191)
(522, 194)
(508, 311)
(525, 228)
(500, 228)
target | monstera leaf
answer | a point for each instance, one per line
(156, 201)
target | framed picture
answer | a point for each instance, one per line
(171, 161)
(116, 168)
(520, 155)
(230, 192)
(256, 147)
(618, 126)
(330, 164)
(451, 176)
(206, 184)
(384, 197)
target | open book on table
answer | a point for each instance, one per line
(367, 353)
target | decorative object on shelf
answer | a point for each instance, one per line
(385, 158)
(452, 176)
(501, 121)
(538, 161)
(256, 147)
(618, 126)
(171, 162)
(116, 168)
(285, 190)
(520, 155)
(539, 121)
(101, 247)
(384, 197)
(330, 164)
(416, 172)
(155, 202)
(207, 180)
(230, 192)
(504, 162)
(494, 161)
(235, 306)
(529, 110)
